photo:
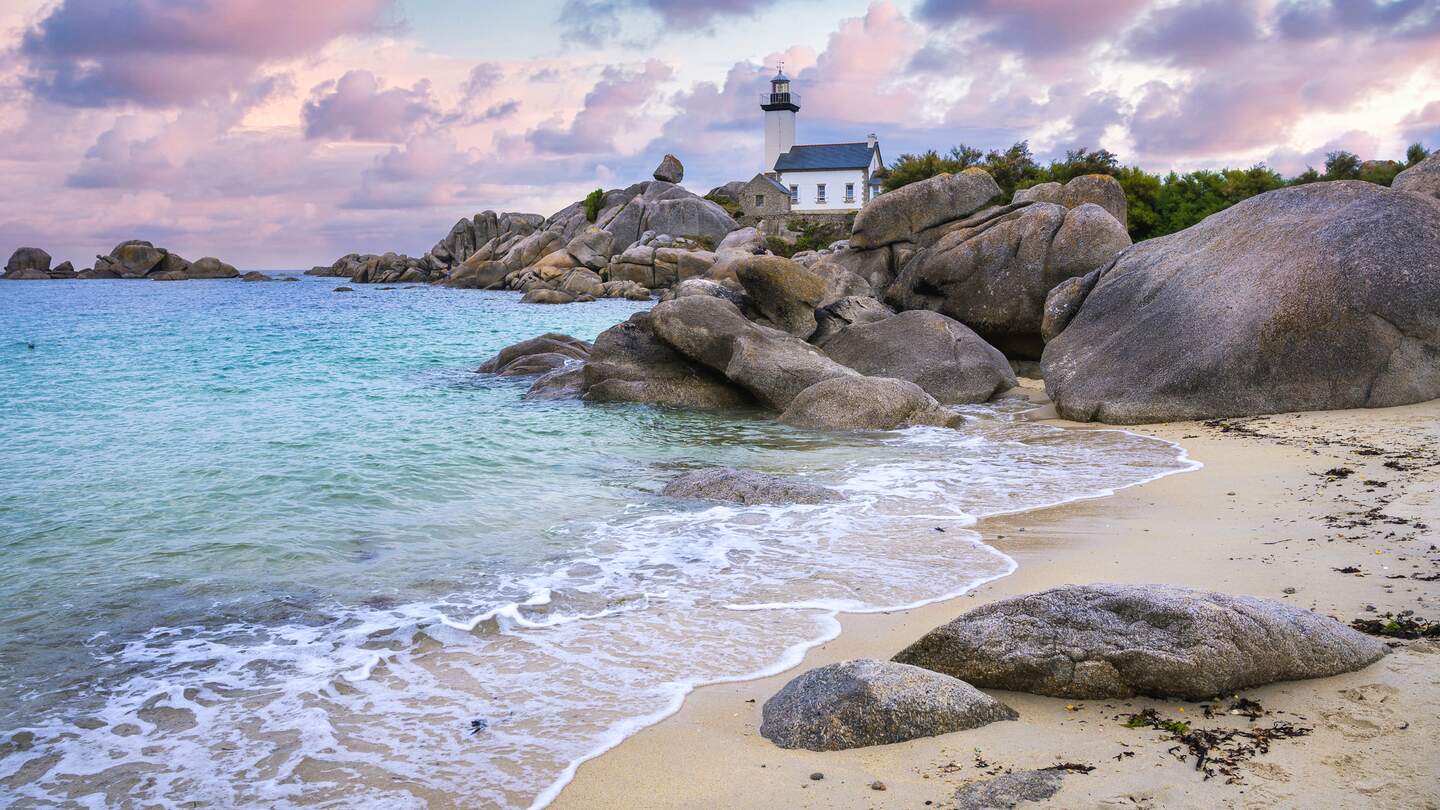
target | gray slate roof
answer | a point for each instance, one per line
(825, 156)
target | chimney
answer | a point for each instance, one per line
(872, 140)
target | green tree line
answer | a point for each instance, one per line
(1157, 205)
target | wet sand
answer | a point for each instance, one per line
(1262, 517)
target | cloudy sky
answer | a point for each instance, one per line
(283, 133)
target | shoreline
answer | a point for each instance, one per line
(1259, 495)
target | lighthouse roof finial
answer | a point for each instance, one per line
(780, 72)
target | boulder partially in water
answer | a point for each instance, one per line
(866, 403)
(941, 355)
(746, 487)
(772, 365)
(1119, 641)
(865, 702)
(630, 364)
(566, 381)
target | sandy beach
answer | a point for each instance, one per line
(1331, 511)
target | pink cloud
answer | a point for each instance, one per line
(359, 107)
(156, 53)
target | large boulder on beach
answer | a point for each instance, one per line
(28, 263)
(1317, 297)
(866, 403)
(782, 292)
(548, 343)
(852, 704)
(746, 487)
(774, 366)
(992, 272)
(941, 355)
(1118, 641)
(630, 364)
(670, 170)
(903, 215)
(1423, 178)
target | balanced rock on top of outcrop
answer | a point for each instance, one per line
(670, 170)
(852, 704)
(1117, 641)
(1315, 297)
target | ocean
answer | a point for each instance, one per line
(269, 545)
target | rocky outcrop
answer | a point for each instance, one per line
(835, 317)
(137, 259)
(1316, 297)
(858, 703)
(547, 296)
(774, 366)
(1423, 178)
(1100, 189)
(670, 170)
(255, 275)
(746, 487)
(865, 403)
(566, 347)
(941, 355)
(1118, 641)
(630, 364)
(33, 264)
(992, 272)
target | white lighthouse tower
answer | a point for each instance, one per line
(780, 106)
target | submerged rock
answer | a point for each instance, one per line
(746, 487)
(939, 354)
(1316, 297)
(853, 704)
(548, 343)
(565, 381)
(255, 275)
(1118, 641)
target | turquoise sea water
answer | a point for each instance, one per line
(265, 545)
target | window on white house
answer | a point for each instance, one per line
(759, 200)
(819, 192)
(849, 192)
(794, 194)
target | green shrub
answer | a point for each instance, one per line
(592, 204)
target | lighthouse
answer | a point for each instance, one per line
(780, 106)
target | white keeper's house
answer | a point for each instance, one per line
(811, 178)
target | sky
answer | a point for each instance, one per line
(285, 133)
